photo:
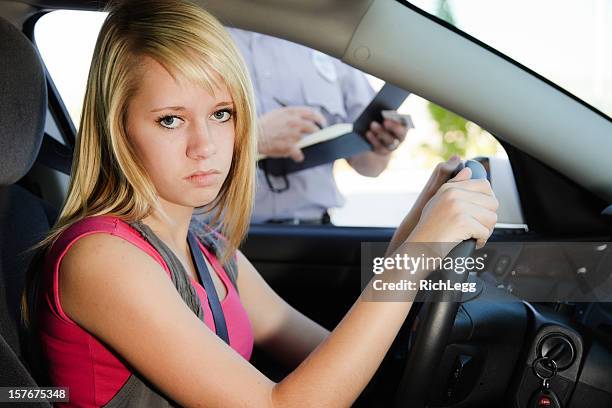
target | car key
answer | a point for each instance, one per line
(544, 397)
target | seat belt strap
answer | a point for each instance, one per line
(209, 287)
(55, 155)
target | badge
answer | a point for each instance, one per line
(324, 65)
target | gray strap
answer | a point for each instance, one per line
(137, 392)
(179, 276)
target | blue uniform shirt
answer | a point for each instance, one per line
(299, 76)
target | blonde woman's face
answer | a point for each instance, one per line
(183, 135)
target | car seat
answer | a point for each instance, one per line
(24, 217)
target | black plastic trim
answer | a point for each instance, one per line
(541, 188)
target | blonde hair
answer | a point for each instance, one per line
(107, 177)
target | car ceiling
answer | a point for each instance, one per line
(434, 62)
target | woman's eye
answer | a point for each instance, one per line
(222, 115)
(170, 122)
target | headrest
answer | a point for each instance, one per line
(23, 104)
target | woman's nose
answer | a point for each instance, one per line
(200, 145)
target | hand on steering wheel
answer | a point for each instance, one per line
(434, 329)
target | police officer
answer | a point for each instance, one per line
(299, 90)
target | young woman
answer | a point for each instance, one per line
(167, 127)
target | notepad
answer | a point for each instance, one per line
(338, 141)
(323, 135)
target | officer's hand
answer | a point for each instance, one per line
(386, 137)
(281, 129)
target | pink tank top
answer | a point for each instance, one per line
(76, 359)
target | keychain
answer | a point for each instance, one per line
(544, 397)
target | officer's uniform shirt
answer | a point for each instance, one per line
(282, 71)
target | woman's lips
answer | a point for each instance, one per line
(203, 179)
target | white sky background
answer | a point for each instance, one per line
(567, 41)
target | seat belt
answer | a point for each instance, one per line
(55, 155)
(209, 287)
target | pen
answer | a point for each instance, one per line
(284, 104)
(280, 101)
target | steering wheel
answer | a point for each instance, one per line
(435, 328)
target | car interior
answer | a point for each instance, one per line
(469, 354)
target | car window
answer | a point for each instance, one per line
(383, 201)
(66, 40)
(563, 40)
